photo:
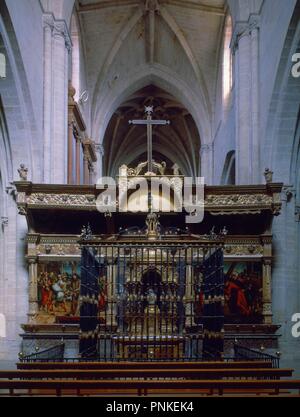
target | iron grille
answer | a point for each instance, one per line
(152, 301)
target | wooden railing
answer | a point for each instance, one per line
(236, 387)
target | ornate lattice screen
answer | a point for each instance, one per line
(152, 300)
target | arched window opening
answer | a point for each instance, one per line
(227, 59)
(228, 175)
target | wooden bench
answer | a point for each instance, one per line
(144, 387)
(267, 373)
(143, 365)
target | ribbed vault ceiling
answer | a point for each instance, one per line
(175, 45)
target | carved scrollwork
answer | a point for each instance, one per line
(243, 250)
(238, 199)
(61, 200)
(216, 204)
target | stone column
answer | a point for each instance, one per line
(3, 234)
(10, 293)
(255, 139)
(78, 144)
(47, 127)
(98, 170)
(91, 173)
(245, 47)
(207, 168)
(267, 291)
(86, 172)
(70, 152)
(33, 290)
(57, 45)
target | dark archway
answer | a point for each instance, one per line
(151, 280)
(177, 143)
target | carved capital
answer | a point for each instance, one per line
(244, 28)
(11, 190)
(32, 260)
(297, 213)
(58, 28)
(4, 221)
(267, 262)
(99, 148)
(22, 211)
(206, 148)
(287, 193)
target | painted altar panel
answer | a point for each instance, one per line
(59, 285)
(243, 292)
(58, 288)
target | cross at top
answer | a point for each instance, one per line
(149, 122)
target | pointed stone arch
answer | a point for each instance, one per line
(163, 78)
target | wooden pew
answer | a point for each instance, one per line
(267, 373)
(144, 387)
(144, 365)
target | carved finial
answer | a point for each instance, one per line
(89, 230)
(160, 167)
(212, 233)
(224, 231)
(83, 232)
(23, 171)
(175, 168)
(123, 170)
(86, 232)
(268, 175)
(71, 94)
(152, 223)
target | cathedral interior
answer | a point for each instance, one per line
(144, 95)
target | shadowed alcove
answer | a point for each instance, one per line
(177, 143)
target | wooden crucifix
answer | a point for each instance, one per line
(149, 122)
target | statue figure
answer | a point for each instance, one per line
(152, 225)
(23, 171)
(175, 168)
(131, 172)
(268, 175)
(151, 315)
(151, 297)
(140, 166)
(160, 167)
(123, 170)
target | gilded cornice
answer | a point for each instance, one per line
(219, 200)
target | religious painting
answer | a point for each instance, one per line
(58, 288)
(243, 292)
